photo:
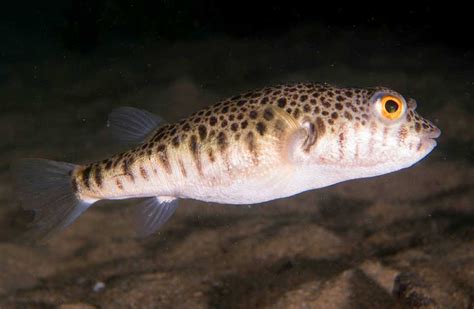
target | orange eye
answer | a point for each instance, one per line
(392, 107)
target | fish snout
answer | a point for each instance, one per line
(433, 133)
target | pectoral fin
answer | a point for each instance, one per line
(296, 137)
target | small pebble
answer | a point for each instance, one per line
(98, 286)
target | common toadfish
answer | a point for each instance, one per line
(254, 147)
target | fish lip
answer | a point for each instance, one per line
(428, 141)
(435, 133)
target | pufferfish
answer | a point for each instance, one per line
(254, 147)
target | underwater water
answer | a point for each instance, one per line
(402, 239)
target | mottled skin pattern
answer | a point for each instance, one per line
(246, 137)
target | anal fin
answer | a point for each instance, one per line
(152, 213)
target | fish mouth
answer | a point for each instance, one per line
(428, 140)
(435, 133)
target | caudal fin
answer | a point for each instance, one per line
(45, 187)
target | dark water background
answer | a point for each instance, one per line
(404, 239)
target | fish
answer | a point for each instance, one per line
(254, 147)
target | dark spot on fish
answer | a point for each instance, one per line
(334, 115)
(163, 156)
(296, 113)
(202, 132)
(162, 132)
(86, 174)
(224, 123)
(417, 127)
(234, 127)
(281, 102)
(210, 154)
(175, 141)
(268, 114)
(253, 114)
(244, 124)
(303, 98)
(98, 176)
(75, 186)
(212, 121)
(339, 106)
(119, 184)
(108, 164)
(182, 168)
(264, 100)
(193, 146)
(143, 173)
(250, 140)
(261, 128)
(126, 169)
(222, 141)
(348, 115)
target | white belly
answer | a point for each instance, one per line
(258, 187)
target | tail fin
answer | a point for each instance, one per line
(45, 187)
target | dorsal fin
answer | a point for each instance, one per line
(131, 125)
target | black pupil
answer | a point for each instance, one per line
(391, 106)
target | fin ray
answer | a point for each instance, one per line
(131, 125)
(45, 187)
(152, 213)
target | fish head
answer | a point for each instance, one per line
(369, 132)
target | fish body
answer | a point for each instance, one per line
(259, 146)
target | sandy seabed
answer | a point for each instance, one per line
(395, 241)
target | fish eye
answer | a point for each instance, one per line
(391, 107)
